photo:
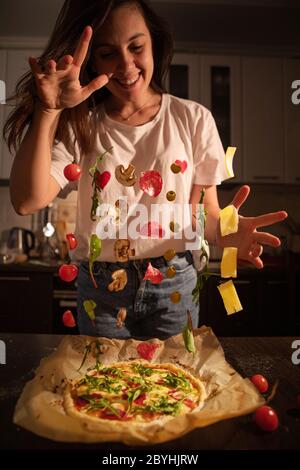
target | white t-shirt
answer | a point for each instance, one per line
(182, 130)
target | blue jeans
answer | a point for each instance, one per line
(150, 311)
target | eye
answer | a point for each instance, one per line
(136, 48)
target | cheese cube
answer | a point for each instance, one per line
(228, 161)
(229, 220)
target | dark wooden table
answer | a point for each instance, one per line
(270, 356)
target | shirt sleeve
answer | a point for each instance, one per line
(209, 155)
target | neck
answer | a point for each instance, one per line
(126, 110)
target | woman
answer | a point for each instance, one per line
(105, 97)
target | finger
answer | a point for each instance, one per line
(82, 48)
(241, 196)
(34, 65)
(269, 219)
(95, 84)
(64, 62)
(50, 67)
(265, 238)
(256, 261)
(257, 250)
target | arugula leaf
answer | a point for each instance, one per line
(95, 251)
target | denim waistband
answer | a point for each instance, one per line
(158, 262)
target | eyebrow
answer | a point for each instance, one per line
(107, 44)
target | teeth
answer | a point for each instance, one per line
(129, 82)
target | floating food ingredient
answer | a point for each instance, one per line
(175, 297)
(169, 254)
(121, 317)
(229, 262)
(230, 298)
(188, 335)
(228, 161)
(68, 272)
(152, 229)
(229, 220)
(153, 275)
(171, 272)
(89, 307)
(171, 196)
(95, 251)
(72, 242)
(72, 172)
(151, 182)
(147, 350)
(126, 176)
(182, 164)
(68, 319)
(119, 280)
(122, 250)
(97, 182)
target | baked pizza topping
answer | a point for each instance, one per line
(136, 391)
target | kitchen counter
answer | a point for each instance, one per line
(269, 356)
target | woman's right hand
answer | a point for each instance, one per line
(58, 85)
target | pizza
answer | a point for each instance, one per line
(135, 393)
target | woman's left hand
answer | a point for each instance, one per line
(247, 239)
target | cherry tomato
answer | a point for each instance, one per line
(260, 382)
(68, 272)
(72, 172)
(266, 418)
(72, 242)
(68, 319)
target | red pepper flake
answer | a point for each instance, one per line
(147, 350)
(68, 319)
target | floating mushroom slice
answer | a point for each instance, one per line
(171, 272)
(175, 297)
(171, 196)
(229, 220)
(230, 298)
(119, 280)
(126, 176)
(122, 250)
(151, 182)
(174, 226)
(121, 317)
(175, 168)
(228, 161)
(229, 262)
(169, 254)
(153, 275)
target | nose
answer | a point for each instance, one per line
(126, 62)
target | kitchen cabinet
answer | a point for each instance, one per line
(292, 122)
(34, 298)
(264, 296)
(215, 82)
(221, 93)
(263, 119)
(26, 300)
(16, 64)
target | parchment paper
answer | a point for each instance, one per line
(40, 407)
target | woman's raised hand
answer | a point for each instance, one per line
(58, 85)
(247, 239)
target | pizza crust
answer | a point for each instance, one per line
(96, 424)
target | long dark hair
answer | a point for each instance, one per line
(73, 17)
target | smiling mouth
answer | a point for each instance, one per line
(128, 83)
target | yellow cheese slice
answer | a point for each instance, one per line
(228, 161)
(230, 298)
(229, 220)
(229, 262)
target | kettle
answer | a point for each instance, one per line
(20, 240)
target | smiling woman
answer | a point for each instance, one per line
(96, 99)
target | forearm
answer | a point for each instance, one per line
(30, 175)
(212, 223)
